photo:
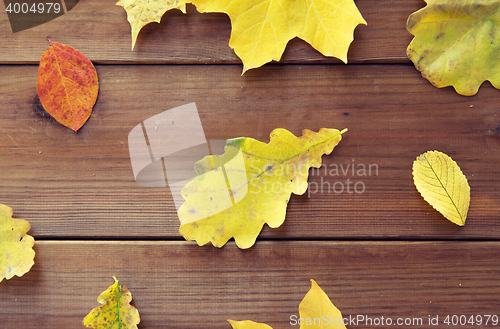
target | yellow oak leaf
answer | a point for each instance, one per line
(115, 311)
(443, 185)
(250, 185)
(143, 12)
(261, 29)
(16, 247)
(317, 305)
(316, 311)
(456, 43)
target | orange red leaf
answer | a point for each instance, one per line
(67, 85)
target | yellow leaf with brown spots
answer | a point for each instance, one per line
(316, 311)
(16, 247)
(115, 311)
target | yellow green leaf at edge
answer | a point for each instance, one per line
(141, 13)
(261, 29)
(317, 305)
(16, 247)
(247, 324)
(456, 43)
(316, 311)
(443, 185)
(271, 172)
(115, 309)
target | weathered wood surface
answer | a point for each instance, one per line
(82, 185)
(92, 220)
(100, 30)
(176, 285)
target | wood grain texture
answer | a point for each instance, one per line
(100, 30)
(82, 185)
(177, 285)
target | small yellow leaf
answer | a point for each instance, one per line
(261, 29)
(317, 305)
(16, 247)
(143, 12)
(443, 185)
(247, 324)
(250, 185)
(115, 312)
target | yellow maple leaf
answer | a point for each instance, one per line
(261, 29)
(115, 311)
(316, 311)
(142, 12)
(443, 185)
(249, 185)
(455, 43)
(16, 247)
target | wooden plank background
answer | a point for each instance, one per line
(382, 252)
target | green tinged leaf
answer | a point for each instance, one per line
(443, 185)
(457, 43)
(249, 185)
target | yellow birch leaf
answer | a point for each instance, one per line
(456, 43)
(261, 29)
(317, 305)
(142, 12)
(443, 185)
(16, 247)
(115, 311)
(316, 311)
(250, 185)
